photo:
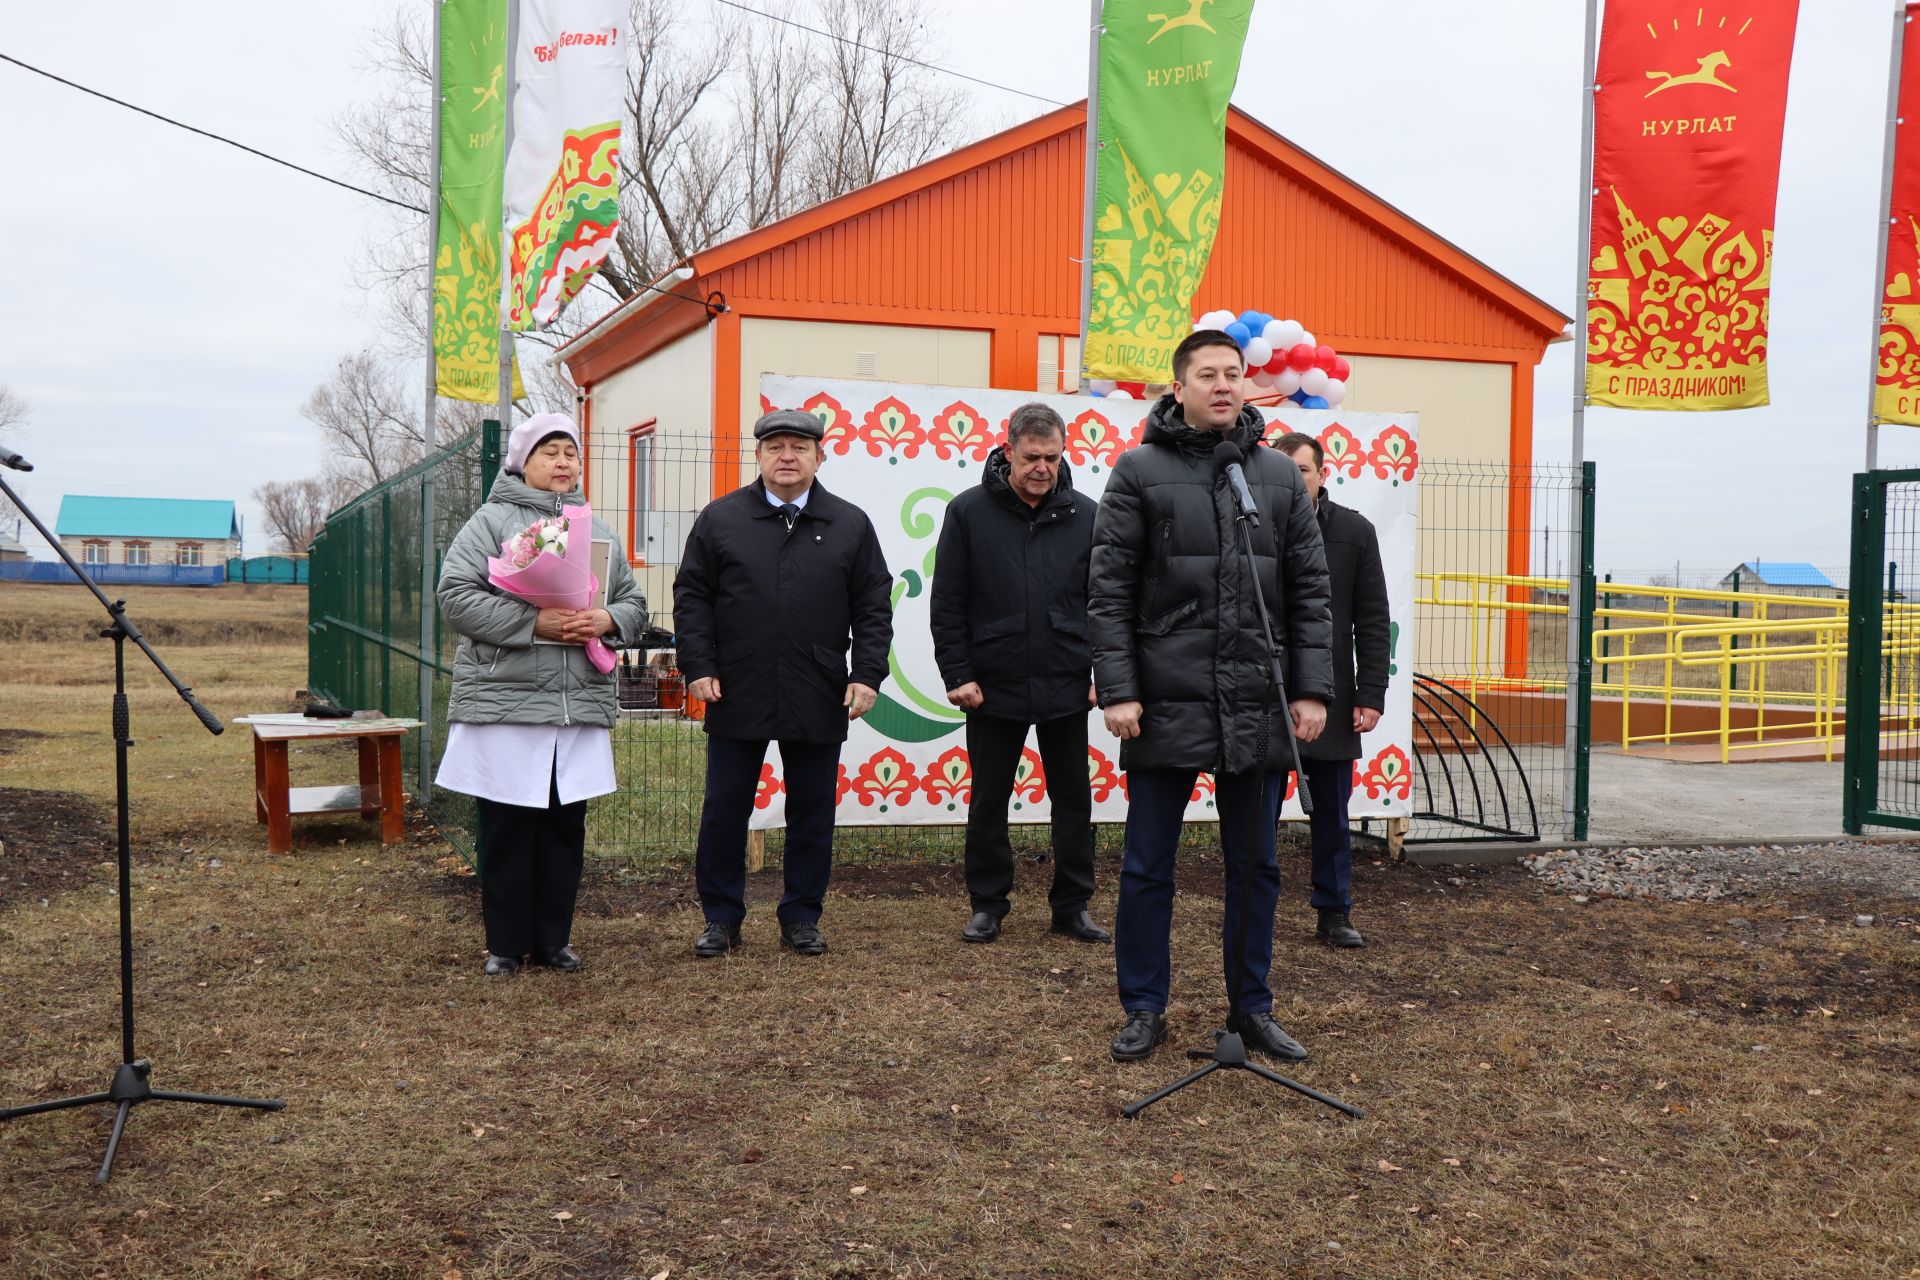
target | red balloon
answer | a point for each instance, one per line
(1300, 358)
(1341, 369)
(1324, 356)
(1138, 390)
(1277, 364)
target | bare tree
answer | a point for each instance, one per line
(296, 510)
(13, 411)
(879, 111)
(370, 419)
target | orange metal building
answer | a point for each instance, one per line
(964, 271)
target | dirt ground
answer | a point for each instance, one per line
(1552, 1088)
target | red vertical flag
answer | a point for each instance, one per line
(1686, 165)
(1897, 393)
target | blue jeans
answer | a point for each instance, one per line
(720, 862)
(1330, 783)
(1143, 923)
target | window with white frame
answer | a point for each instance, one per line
(93, 553)
(139, 553)
(640, 486)
(189, 554)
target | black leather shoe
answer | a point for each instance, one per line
(984, 927)
(500, 966)
(804, 937)
(1078, 924)
(716, 940)
(1260, 1032)
(1143, 1033)
(565, 959)
(1337, 930)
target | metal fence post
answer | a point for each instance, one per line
(489, 456)
(1860, 772)
(1584, 582)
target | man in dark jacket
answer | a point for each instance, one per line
(775, 579)
(1182, 667)
(1009, 614)
(1360, 627)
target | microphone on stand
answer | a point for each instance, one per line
(8, 458)
(1227, 457)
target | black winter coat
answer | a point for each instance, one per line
(1009, 605)
(1360, 626)
(1171, 609)
(771, 612)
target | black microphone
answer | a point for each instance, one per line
(8, 458)
(1227, 457)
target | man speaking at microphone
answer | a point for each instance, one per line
(1180, 663)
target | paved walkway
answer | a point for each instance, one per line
(1639, 799)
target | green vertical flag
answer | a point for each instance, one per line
(473, 157)
(1165, 78)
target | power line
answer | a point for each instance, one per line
(930, 66)
(203, 133)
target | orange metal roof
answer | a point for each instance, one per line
(987, 237)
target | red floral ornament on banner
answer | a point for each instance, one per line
(1101, 774)
(949, 779)
(1093, 439)
(1293, 785)
(1029, 778)
(892, 427)
(835, 418)
(1390, 774)
(1394, 454)
(960, 431)
(885, 779)
(842, 787)
(769, 787)
(1202, 786)
(766, 406)
(1343, 451)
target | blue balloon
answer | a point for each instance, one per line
(1299, 398)
(1239, 333)
(1315, 402)
(1255, 321)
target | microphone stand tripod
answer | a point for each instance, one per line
(130, 1086)
(1229, 1050)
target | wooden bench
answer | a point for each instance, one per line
(378, 795)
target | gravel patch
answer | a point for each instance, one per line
(1716, 873)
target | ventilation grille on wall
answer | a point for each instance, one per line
(865, 364)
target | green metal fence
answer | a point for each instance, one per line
(1882, 772)
(372, 627)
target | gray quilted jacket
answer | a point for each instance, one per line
(500, 676)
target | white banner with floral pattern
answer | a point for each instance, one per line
(904, 452)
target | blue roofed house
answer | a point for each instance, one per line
(189, 532)
(1783, 578)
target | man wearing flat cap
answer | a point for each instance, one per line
(784, 622)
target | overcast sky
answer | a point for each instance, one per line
(171, 302)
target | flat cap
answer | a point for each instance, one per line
(789, 422)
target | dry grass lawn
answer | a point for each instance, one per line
(1553, 1089)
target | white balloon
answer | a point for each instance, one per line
(1308, 338)
(1287, 381)
(1258, 351)
(1336, 392)
(1314, 382)
(1263, 379)
(1289, 335)
(1118, 394)
(1099, 386)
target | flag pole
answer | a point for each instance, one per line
(428, 612)
(1092, 184)
(1584, 253)
(506, 246)
(1901, 17)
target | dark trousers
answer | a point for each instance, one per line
(1143, 923)
(720, 863)
(530, 862)
(1330, 783)
(993, 746)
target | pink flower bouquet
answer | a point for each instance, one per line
(549, 564)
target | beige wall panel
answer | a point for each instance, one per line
(674, 385)
(1465, 408)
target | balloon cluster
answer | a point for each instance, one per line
(1283, 357)
(1125, 390)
